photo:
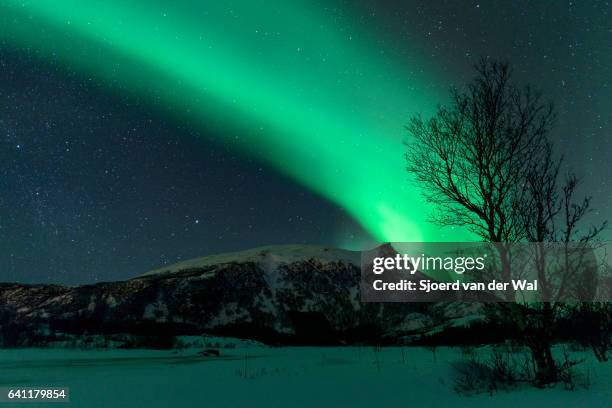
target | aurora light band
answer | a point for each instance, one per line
(320, 100)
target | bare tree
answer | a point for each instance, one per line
(485, 162)
(471, 156)
(550, 213)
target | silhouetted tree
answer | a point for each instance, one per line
(486, 163)
(551, 214)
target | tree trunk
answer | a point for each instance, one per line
(544, 363)
(505, 272)
(538, 340)
(600, 349)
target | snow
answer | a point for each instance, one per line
(268, 257)
(275, 377)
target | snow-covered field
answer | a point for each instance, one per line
(275, 377)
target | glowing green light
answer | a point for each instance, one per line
(283, 81)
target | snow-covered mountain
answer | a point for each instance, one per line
(292, 294)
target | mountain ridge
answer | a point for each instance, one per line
(291, 294)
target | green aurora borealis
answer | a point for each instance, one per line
(322, 101)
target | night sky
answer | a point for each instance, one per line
(134, 136)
